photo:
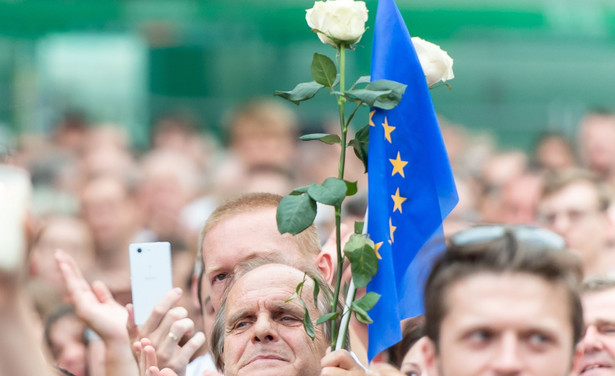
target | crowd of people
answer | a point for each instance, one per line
(522, 289)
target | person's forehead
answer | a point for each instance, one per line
(275, 281)
(104, 187)
(599, 305)
(66, 327)
(597, 124)
(514, 299)
(575, 193)
(63, 231)
(242, 235)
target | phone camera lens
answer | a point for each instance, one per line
(139, 250)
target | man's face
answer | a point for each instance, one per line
(414, 360)
(598, 344)
(574, 213)
(597, 136)
(108, 211)
(519, 200)
(67, 344)
(264, 333)
(508, 324)
(239, 237)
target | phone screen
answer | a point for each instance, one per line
(150, 276)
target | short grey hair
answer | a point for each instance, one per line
(597, 284)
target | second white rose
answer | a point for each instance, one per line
(436, 63)
(338, 21)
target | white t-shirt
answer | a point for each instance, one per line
(200, 364)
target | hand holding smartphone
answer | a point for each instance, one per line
(150, 276)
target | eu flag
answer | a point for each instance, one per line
(410, 183)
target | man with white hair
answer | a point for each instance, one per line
(259, 330)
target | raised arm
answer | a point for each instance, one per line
(20, 352)
(96, 307)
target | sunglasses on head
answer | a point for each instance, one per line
(526, 234)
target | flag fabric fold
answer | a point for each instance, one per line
(410, 183)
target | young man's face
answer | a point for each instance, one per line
(506, 324)
(574, 213)
(598, 344)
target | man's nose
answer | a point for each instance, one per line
(559, 223)
(591, 340)
(264, 329)
(507, 360)
(72, 354)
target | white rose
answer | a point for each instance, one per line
(436, 63)
(338, 21)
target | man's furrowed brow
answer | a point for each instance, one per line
(603, 322)
(212, 270)
(285, 307)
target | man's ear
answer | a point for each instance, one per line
(194, 291)
(324, 263)
(34, 264)
(430, 355)
(610, 217)
(328, 264)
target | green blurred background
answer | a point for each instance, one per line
(521, 66)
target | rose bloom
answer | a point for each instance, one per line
(436, 63)
(338, 22)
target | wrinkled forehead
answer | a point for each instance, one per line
(262, 278)
(598, 302)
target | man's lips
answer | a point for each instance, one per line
(271, 357)
(592, 366)
(595, 361)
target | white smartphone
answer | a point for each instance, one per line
(15, 189)
(150, 276)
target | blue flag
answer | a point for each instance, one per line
(410, 183)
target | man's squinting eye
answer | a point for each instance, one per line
(219, 278)
(287, 318)
(608, 329)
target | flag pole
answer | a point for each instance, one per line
(345, 316)
(352, 290)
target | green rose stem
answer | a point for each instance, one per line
(341, 103)
(338, 342)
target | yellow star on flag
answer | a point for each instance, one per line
(387, 130)
(371, 120)
(397, 200)
(392, 230)
(398, 166)
(376, 248)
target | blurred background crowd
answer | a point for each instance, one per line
(136, 119)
